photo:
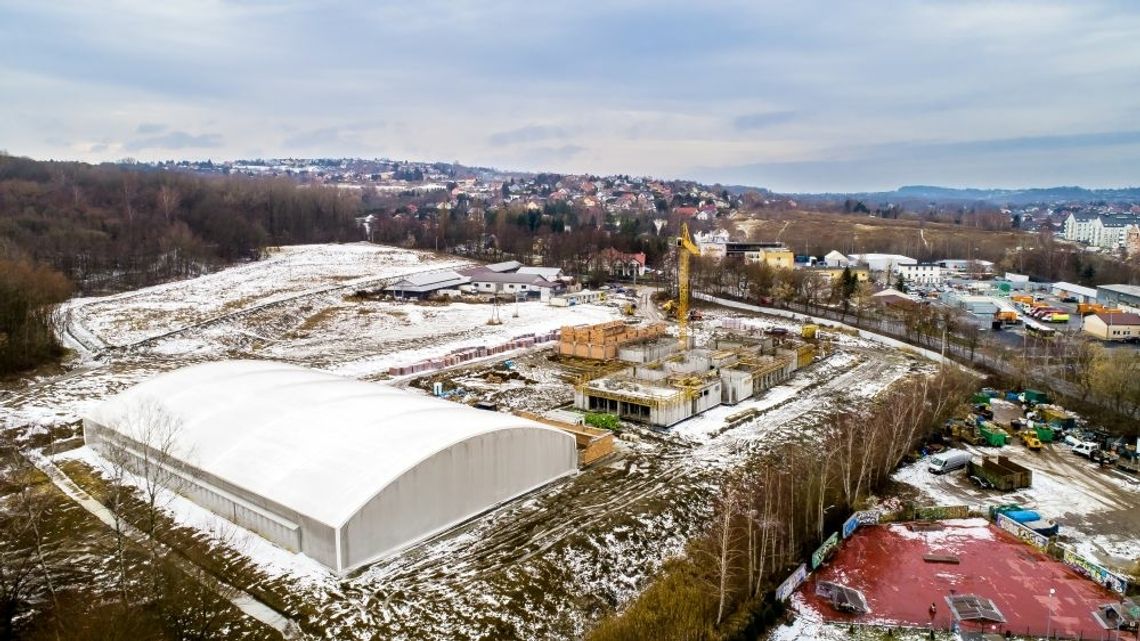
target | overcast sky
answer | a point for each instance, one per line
(795, 96)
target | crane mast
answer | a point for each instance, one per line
(686, 249)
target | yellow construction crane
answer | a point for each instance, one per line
(685, 248)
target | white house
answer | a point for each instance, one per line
(921, 273)
(713, 244)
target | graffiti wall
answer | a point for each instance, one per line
(827, 548)
(794, 580)
(1095, 571)
(939, 512)
(1038, 541)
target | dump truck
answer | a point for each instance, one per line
(1007, 317)
(999, 473)
(1022, 298)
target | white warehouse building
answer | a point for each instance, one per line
(343, 471)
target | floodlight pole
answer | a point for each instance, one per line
(1049, 627)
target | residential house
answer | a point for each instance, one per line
(620, 264)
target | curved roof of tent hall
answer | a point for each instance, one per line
(311, 441)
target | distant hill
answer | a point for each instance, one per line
(930, 193)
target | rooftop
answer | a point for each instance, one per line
(311, 441)
(1131, 290)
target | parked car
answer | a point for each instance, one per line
(948, 461)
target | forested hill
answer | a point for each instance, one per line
(110, 228)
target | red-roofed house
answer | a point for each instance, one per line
(620, 264)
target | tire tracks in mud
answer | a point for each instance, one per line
(666, 470)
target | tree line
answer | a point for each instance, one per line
(109, 228)
(98, 229)
(773, 513)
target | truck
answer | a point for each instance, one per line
(999, 473)
(1007, 317)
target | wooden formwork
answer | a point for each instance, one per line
(601, 341)
(593, 443)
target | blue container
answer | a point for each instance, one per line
(1023, 516)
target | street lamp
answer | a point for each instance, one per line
(1049, 627)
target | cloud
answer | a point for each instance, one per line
(531, 133)
(175, 140)
(622, 86)
(762, 120)
(350, 136)
(1025, 161)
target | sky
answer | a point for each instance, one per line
(794, 96)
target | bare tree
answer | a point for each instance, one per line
(141, 452)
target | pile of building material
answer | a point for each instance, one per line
(601, 341)
(467, 354)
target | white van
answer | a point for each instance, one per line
(948, 461)
(1085, 449)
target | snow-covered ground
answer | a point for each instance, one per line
(542, 568)
(1098, 510)
(129, 317)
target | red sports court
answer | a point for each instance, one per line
(902, 571)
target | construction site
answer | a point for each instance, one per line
(661, 381)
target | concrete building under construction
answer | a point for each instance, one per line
(665, 384)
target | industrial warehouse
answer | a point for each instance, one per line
(343, 471)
